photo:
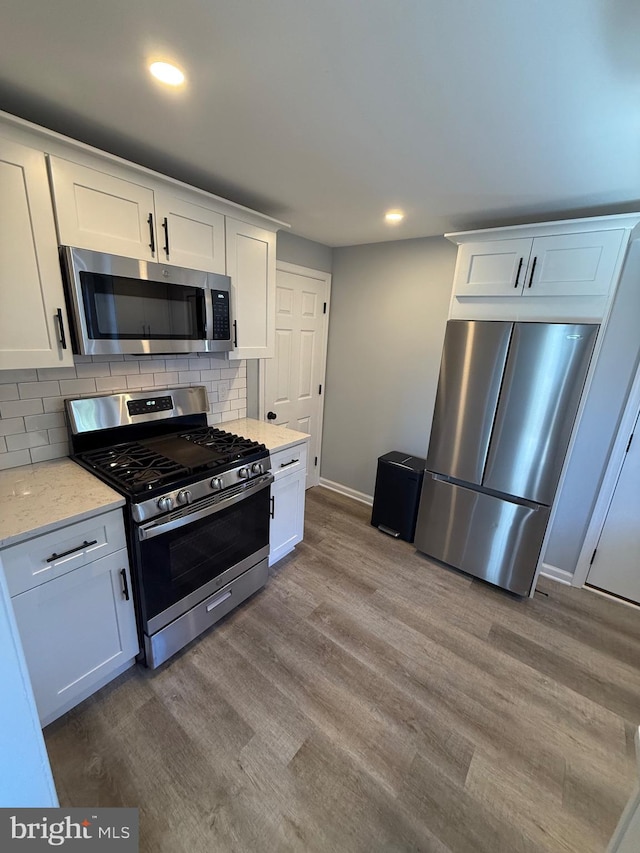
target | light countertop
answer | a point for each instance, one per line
(274, 437)
(37, 498)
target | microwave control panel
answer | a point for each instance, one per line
(221, 319)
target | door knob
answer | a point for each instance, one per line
(271, 416)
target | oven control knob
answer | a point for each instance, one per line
(244, 473)
(216, 483)
(165, 504)
(184, 496)
(257, 468)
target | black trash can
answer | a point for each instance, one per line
(397, 494)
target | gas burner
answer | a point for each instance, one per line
(230, 445)
(135, 466)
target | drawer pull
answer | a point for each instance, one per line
(125, 585)
(286, 464)
(216, 601)
(85, 544)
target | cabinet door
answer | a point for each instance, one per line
(75, 630)
(100, 212)
(189, 235)
(30, 281)
(287, 521)
(251, 263)
(491, 268)
(573, 264)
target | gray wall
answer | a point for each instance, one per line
(603, 409)
(305, 253)
(389, 306)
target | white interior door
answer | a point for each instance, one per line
(616, 564)
(294, 377)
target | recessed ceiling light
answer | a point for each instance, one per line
(167, 73)
(394, 216)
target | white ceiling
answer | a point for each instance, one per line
(325, 113)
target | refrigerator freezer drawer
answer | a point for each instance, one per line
(493, 539)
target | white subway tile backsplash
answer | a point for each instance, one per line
(27, 439)
(11, 426)
(49, 451)
(72, 387)
(53, 404)
(9, 392)
(57, 435)
(29, 390)
(20, 408)
(28, 375)
(210, 375)
(92, 370)
(45, 373)
(125, 368)
(50, 421)
(165, 379)
(110, 383)
(15, 459)
(32, 421)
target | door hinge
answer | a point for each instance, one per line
(324, 308)
(593, 556)
(319, 389)
(629, 444)
(316, 461)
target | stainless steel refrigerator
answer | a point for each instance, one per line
(507, 398)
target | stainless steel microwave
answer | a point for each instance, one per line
(120, 305)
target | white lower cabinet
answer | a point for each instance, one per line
(78, 629)
(287, 500)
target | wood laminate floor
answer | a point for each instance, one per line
(368, 700)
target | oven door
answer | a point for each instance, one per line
(188, 555)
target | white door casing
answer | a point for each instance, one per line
(294, 378)
(615, 566)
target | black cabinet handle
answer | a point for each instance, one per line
(286, 464)
(533, 269)
(235, 333)
(152, 236)
(272, 511)
(85, 544)
(165, 225)
(63, 339)
(518, 273)
(271, 416)
(125, 585)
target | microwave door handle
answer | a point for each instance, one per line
(208, 315)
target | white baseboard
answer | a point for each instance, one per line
(348, 492)
(556, 574)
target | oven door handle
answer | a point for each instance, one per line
(148, 531)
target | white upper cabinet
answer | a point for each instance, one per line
(492, 268)
(572, 264)
(576, 264)
(251, 263)
(106, 213)
(189, 235)
(103, 212)
(33, 323)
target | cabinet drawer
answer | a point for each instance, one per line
(38, 560)
(290, 459)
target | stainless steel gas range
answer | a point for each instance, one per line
(197, 507)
